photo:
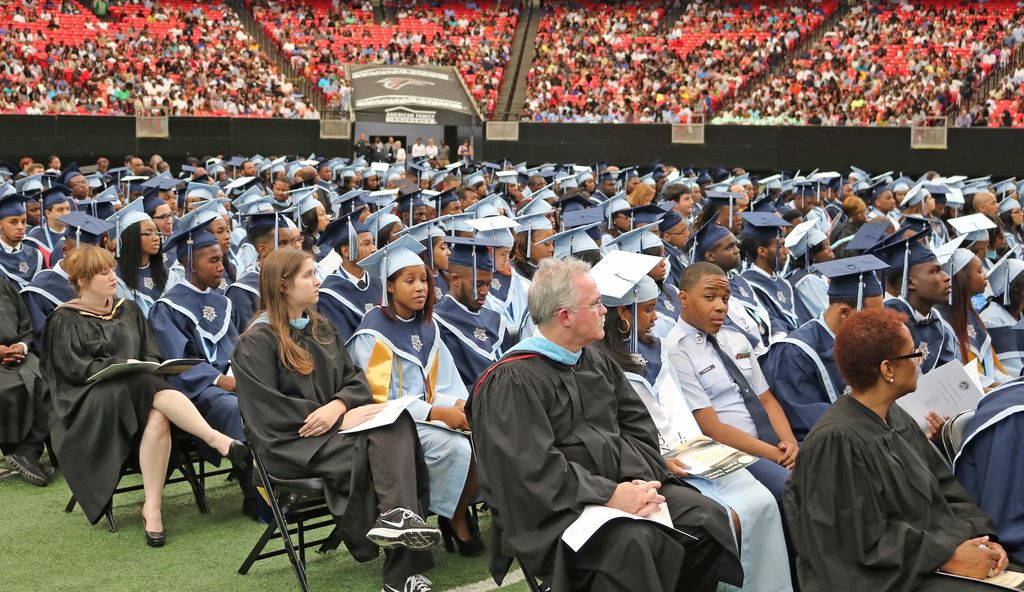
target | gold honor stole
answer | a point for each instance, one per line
(378, 373)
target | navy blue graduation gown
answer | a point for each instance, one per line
(776, 294)
(743, 292)
(188, 323)
(244, 295)
(145, 294)
(990, 465)
(345, 304)
(801, 371)
(21, 266)
(1007, 342)
(48, 290)
(500, 284)
(475, 339)
(933, 335)
(677, 262)
(440, 287)
(47, 241)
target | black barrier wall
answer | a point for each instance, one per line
(971, 152)
(82, 139)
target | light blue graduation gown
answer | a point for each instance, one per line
(762, 546)
(415, 349)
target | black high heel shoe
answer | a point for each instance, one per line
(239, 455)
(471, 548)
(153, 539)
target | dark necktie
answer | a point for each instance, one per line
(765, 431)
(361, 284)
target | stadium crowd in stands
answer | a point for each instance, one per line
(179, 56)
(612, 63)
(886, 64)
(321, 38)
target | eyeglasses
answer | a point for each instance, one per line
(596, 307)
(151, 234)
(164, 217)
(917, 353)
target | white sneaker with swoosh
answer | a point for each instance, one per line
(401, 527)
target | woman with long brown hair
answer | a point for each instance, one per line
(297, 389)
(973, 340)
(99, 423)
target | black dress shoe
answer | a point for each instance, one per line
(238, 454)
(29, 470)
(153, 539)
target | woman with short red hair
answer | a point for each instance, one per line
(871, 506)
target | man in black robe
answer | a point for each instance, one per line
(23, 402)
(558, 428)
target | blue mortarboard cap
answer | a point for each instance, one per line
(535, 206)
(380, 219)
(761, 225)
(187, 241)
(344, 230)
(13, 205)
(1009, 204)
(582, 217)
(903, 253)
(614, 204)
(473, 253)
(528, 223)
(575, 240)
(637, 240)
(975, 226)
(393, 257)
(670, 220)
(133, 213)
(645, 214)
(201, 190)
(83, 228)
(151, 200)
(913, 223)
(7, 189)
(55, 195)
(868, 236)
(1002, 274)
(29, 185)
(473, 180)
(704, 239)
(852, 278)
(203, 214)
(1006, 187)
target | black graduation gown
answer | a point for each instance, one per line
(873, 508)
(24, 405)
(551, 439)
(275, 402)
(95, 426)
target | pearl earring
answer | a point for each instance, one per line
(892, 380)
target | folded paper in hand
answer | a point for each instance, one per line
(387, 416)
(594, 518)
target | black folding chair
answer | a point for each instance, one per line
(180, 461)
(952, 435)
(534, 584)
(297, 502)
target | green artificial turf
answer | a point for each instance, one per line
(44, 549)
